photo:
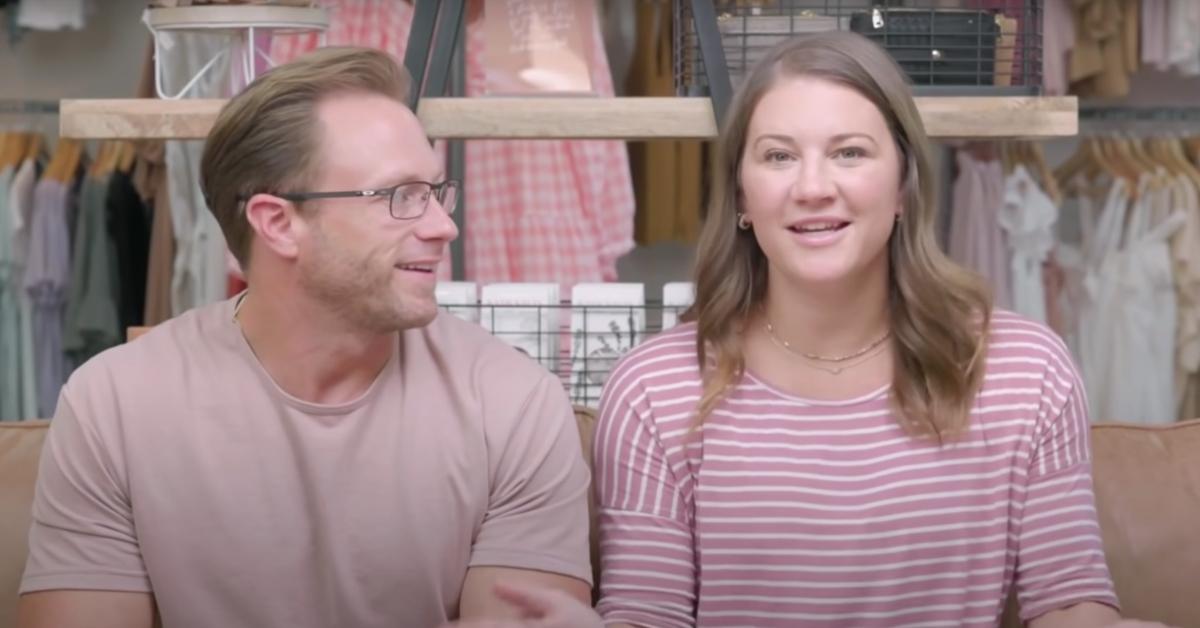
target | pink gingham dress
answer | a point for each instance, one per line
(537, 210)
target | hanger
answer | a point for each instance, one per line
(1081, 161)
(110, 158)
(13, 147)
(1192, 145)
(1119, 157)
(128, 156)
(5, 147)
(1173, 150)
(1042, 171)
(101, 161)
(1138, 147)
(34, 149)
(66, 160)
(1175, 147)
(75, 159)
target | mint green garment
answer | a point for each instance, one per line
(20, 205)
(92, 324)
(10, 312)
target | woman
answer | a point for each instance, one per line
(867, 443)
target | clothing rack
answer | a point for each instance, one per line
(29, 107)
(1183, 113)
(1102, 119)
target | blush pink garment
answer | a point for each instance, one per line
(536, 210)
(1154, 34)
(1058, 38)
(783, 511)
(976, 239)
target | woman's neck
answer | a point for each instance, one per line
(829, 322)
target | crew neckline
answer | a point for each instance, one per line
(873, 395)
(308, 407)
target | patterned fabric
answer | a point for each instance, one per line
(783, 511)
(537, 210)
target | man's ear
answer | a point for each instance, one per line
(276, 223)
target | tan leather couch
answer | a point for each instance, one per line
(20, 445)
(1147, 495)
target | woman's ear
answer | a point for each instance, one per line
(276, 223)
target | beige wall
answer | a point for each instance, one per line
(101, 61)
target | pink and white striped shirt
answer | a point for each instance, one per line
(783, 511)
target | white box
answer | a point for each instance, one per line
(526, 316)
(460, 298)
(677, 298)
(607, 319)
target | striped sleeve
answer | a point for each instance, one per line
(1060, 554)
(648, 569)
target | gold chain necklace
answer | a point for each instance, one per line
(820, 358)
(842, 366)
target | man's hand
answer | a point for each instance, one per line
(538, 608)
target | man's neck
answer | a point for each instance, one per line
(828, 321)
(309, 351)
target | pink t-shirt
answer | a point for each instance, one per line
(787, 512)
(175, 465)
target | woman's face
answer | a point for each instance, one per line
(820, 183)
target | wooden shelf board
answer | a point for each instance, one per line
(576, 117)
(237, 16)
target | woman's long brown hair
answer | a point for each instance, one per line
(939, 312)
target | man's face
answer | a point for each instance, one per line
(377, 271)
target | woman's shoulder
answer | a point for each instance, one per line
(1014, 334)
(1021, 348)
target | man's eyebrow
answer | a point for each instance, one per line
(400, 178)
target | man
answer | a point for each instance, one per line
(325, 449)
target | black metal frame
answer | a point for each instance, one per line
(18, 106)
(435, 48)
(434, 45)
(427, 51)
(712, 53)
(701, 34)
(428, 54)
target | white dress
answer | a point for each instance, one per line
(1185, 251)
(1027, 216)
(1129, 333)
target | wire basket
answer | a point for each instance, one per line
(965, 47)
(578, 343)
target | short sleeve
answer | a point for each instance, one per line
(1060, 555)
(83, 535)
(648, 575)
(537, 515)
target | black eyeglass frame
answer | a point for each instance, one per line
(437, 190)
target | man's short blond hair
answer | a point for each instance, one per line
(265, 138)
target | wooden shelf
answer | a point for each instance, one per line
(576, 117)
(237, 17)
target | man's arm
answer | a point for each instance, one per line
(84, 568)
(535, 529)
(86, 609)
(479, 600)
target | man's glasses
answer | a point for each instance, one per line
(406, 201)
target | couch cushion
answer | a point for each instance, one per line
(585, 418)
(1148, 499)
(1147, 496)
(20, 446)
